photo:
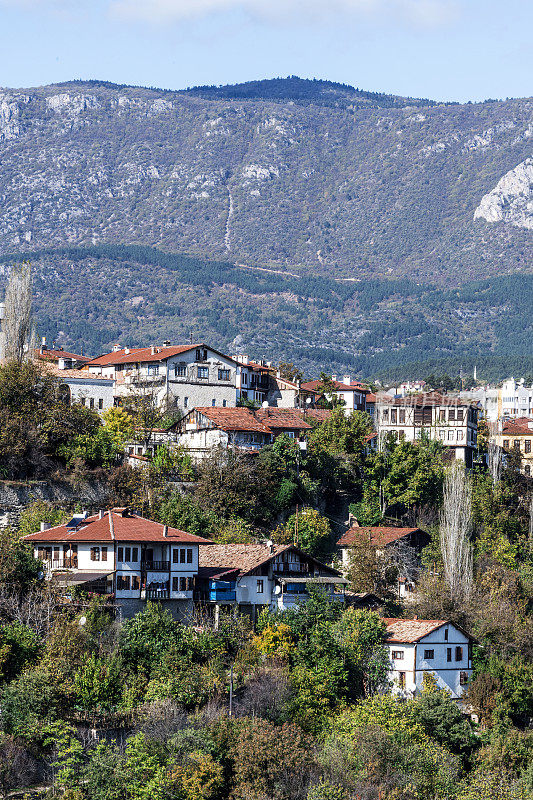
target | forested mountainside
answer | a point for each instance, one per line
(352, 189)
(93, 297)
(369, 211)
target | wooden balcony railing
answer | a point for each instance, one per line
(155, 566)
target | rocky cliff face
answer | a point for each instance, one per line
(347, 191)
(511, 200)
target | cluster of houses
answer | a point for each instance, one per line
(135, 560)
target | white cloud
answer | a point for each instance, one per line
(420, 12)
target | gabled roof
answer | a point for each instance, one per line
(137, 355)
(119, 525)
(233, 419)
(224, 559)
(518, 427)
(277, 418)
(54, 355)
(409, 631)
(374, 535)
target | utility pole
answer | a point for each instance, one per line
(296, 528)
(231, 690)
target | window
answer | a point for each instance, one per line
(180, 370)
(95, 554)
(394, 416)
(153, 369)
(397, 655)
(448, 654)
(135, 583)
(460, 435)
(189, 556)
(104, 553)
(223, 374)
(175, 556)
(445, 634)
(127, 554)
(385, 415)
(183, 584)
(463, 678)
(506, 444)
(442, 435)
(175, 584)
(201, 354)
(401, 680)
(213, 402)
(203, 372)
(120, 554)
(429, 654)
(91, 402)
(123, 583)
(185, 402)
(260, 585)
(401, 415)
(182, 556)
(135, 554)
(458, 653)
(82, 401)
(450, 435)
(460, 414)
(516, 444)
(224, 403)
(190, 584)
(527, 446)
(527, 470)
(442, 415)
(451, 414)
(100, 403)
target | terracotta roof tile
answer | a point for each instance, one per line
(277, 418)
(118, 526)
(55, 355)
(137, 355)
(409, 631)
(241, 558)
(233, 419)
(374, 535)
(518, 427)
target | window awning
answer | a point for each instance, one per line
(78, 578)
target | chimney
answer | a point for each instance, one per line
(165, 531)
(116, 348)
(270, 545)
(101, 514)
(166, 343)
(333, 377)
(127, 351)
(62, 363)
(347, 380)
(45, 526)
(153, 351)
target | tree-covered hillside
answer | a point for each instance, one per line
(394, 328)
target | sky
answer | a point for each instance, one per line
(440, 49)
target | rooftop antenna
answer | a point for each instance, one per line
(190, 336)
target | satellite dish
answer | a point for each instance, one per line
(277, 590)
(309, 400)
(264, 404)
(83, 620)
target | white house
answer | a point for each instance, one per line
(447, 418)
(93, 391)
(420, 646)
(119, 553)
(257, 576)
(184, 376)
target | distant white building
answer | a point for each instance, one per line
(437, 647)
(513, 400)
(351, 393)
(93, 391)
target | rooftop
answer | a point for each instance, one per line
(409, 631)
(518, 427)
(374, 535)
(119, 524)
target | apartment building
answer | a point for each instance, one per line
(184, 376)
(512, 400)
(451, 420)
(123, 555)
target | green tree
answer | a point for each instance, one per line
(306, 528)
(19, 648)
(361, 635)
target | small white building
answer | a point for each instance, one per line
(119, 553)
(352, 393)
(421, 646)
(252, 577)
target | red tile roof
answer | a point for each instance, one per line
(427, 399)
(233, 419)
(518, 427)
(240, 558)
(136, 355)
(409, 631)
(120, 525)
(318, 414)
(374, 535)
(55, 355)
(278, 418)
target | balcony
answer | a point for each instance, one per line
(157, 594)
(61, 563)
(155, 566)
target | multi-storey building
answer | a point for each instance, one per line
(516, 436)
(252, 577)
(512, 400)
(119, 553)
(428, 646)
(449, 419)
(252, 380)
(185, 376)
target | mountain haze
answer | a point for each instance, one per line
(311, 178)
